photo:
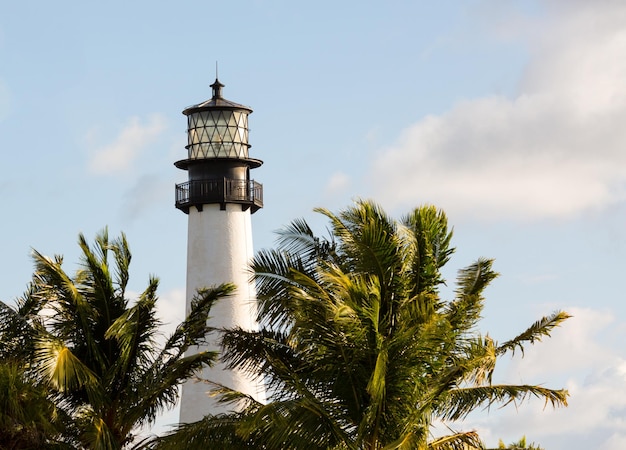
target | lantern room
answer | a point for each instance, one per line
(217, 128)
(218, 159)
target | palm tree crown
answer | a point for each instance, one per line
(98, 354)
(357, 348)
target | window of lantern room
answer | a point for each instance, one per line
(218, 134)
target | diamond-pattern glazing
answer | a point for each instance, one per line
(217, 134)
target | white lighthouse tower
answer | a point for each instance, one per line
(219, 199)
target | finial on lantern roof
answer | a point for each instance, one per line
(217, 89)
(217, 101)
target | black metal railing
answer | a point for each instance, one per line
(225, 190)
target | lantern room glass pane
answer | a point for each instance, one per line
(217, 134)
(232, 120)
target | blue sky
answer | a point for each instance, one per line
(508, 115)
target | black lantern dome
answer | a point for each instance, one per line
(218, 156)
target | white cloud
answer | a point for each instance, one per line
(127, 146)
(580, 358)
(576, 345)
(171, 310)
(554, 150)
(338, 182)
(595, 414)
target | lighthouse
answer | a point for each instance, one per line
(219, 198)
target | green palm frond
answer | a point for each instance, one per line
(123, 256)
(218, 432)
(288, 424)
(294, 424)
(96, 277)
(265, 353)
(461, 401)
(73, 310)
(430, 247)
(228, 396)
(477, 360)
(16, 333)
(464, 311)
(135, 333)
(475, 278)
(28, 417)
(273, 272)
(468, 440)
(368, 240)
(155, 386)
(298, 238)
(193, 330)
(538, 330)
(60, 367)
(157, 389)
(98, 436)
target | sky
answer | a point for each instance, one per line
(510, 116)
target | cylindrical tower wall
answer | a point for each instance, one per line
(217, 169)
(219, 249)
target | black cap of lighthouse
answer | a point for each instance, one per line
(217, 156)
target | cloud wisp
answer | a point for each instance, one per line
(594, 373)
(119, 155)
(554, 150)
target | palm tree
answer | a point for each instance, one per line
(96, 353)
(519, 445)
(357, 348)
(28, 418)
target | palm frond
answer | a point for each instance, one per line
(193, 330)
(98, 435)
(430, 247)
(296, 424)
(369, 242)
(479, 360)
(464, 312)
(60, 367)
(273, 273)
(473, 279)
(210, 432)
(265, 353)
(97, 274)
(16, 333)
(156, 382)
(122, 253)
(135, 331)
(538, 330)
(461, 401)
(298, 239)
(468, 440)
